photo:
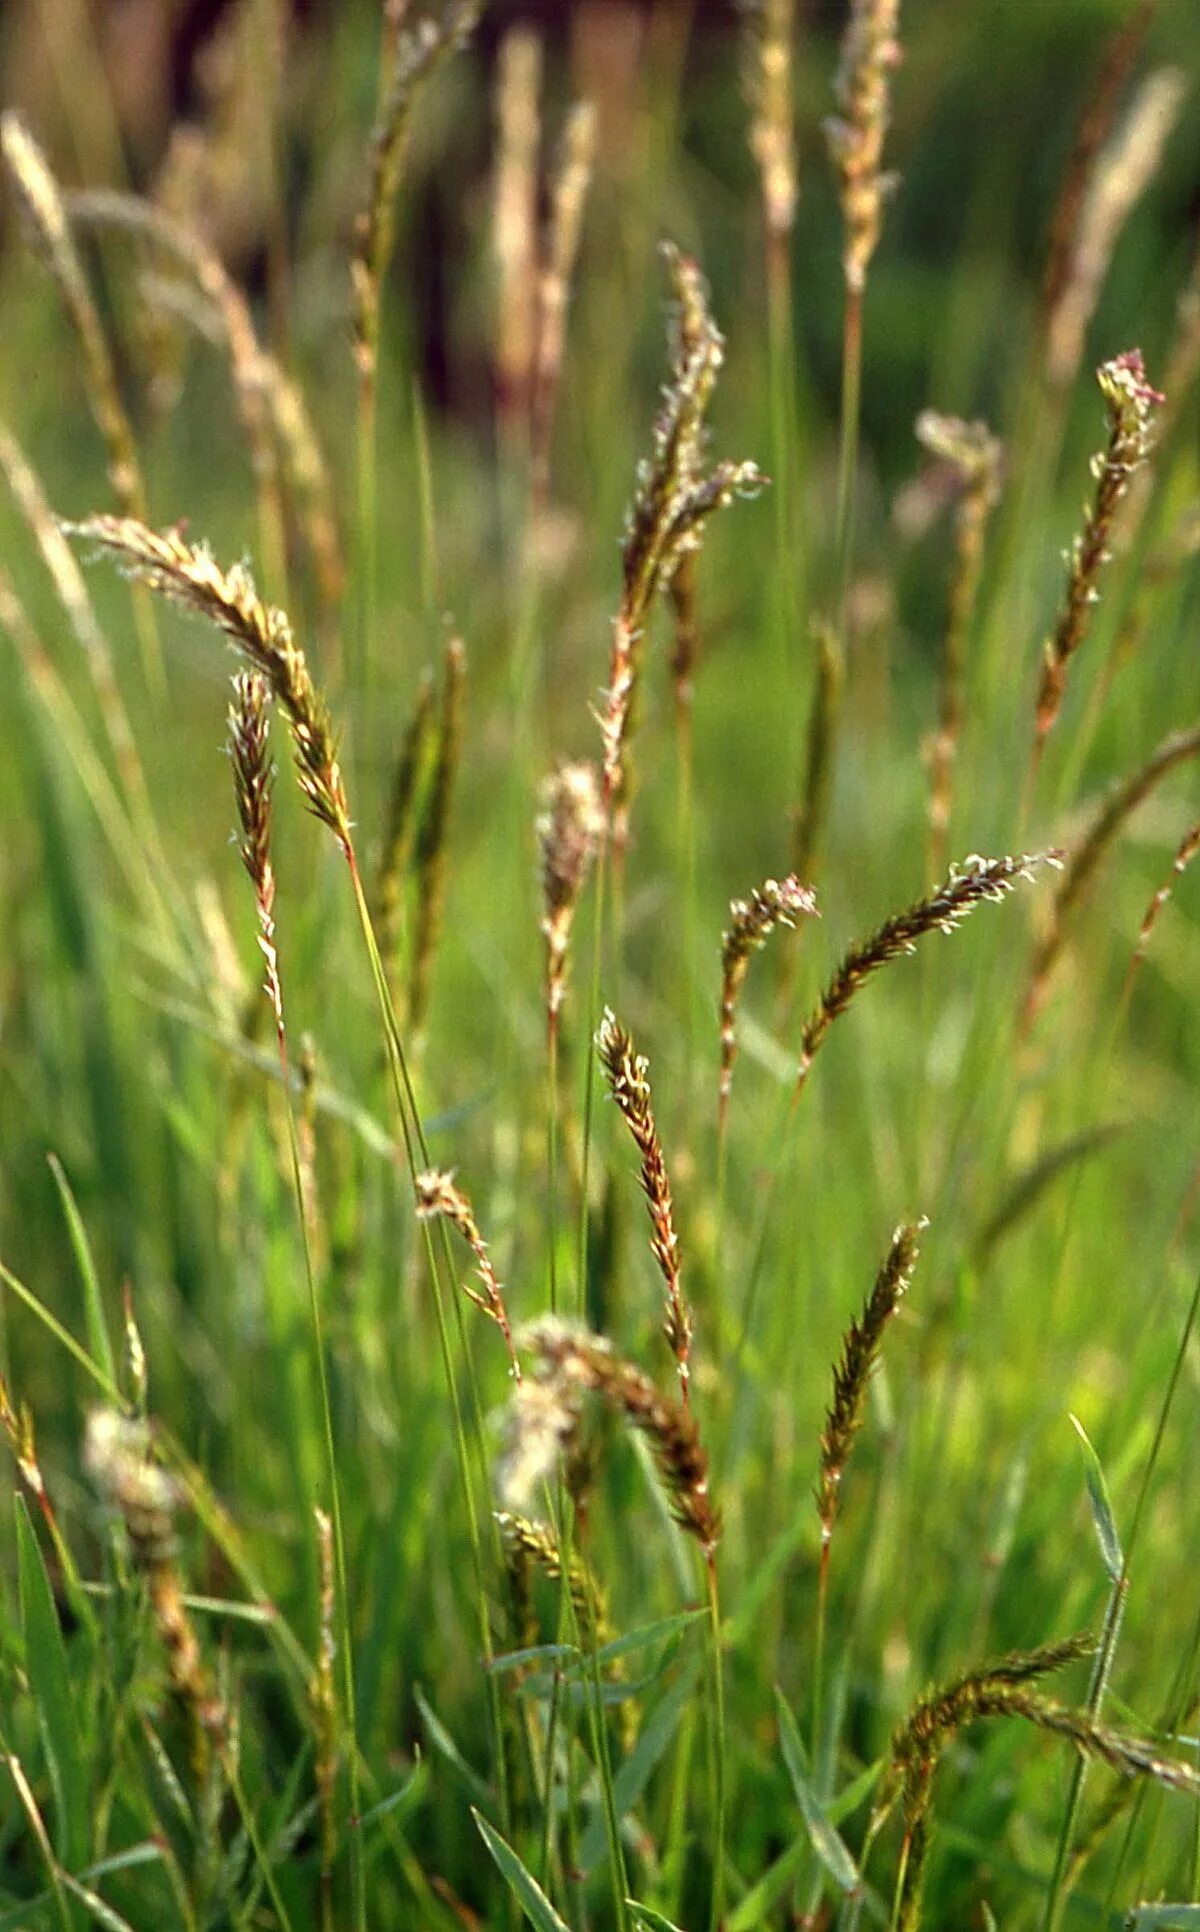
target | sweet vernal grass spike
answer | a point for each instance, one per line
(400, 828)
(530, 1546)
(975, 458)
(434, 830)
(1081, 865)
(1130, 402)
(253, 777)
(1122, 172)
(186, 574)
(751, 922)
(972, 884)
(771, 25)
(570, 827)
(861, 1346)
(43, 207)
(573, 1362)
(438, 1195)
(870, 52)
(1188, 847)
(568, 195)
(674, 499)
(627, 1073)
(119, 1457)
(417, 50)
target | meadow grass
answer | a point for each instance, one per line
(407, 1528)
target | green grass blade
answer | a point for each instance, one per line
(53, 1692)
(826, 1841)
(93, 1301)
(522, 1884)
(1107, 1534)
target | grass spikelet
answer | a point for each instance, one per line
(417, 51)
(1083, 863)
(870, 52)
(187, 575)
(752, 921)
(400, 829)
(572, 1362)
(437, 1194)
(1123, 170)
(674, 499)
(434, 831)
(119, 1458)
(975, 458)
(568, 196)
(972, 884)
(771, 26)
(253, 775)
(570, 827)
(514, 219)
(49, 229)
(861, 1347)
(627, 1073)
(1001, 1691)
(1130, 402)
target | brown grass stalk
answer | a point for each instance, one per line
(570, 827)
(1130, 402)
(752, 921)
(972, 884)
(628, 1075)
(676, 495)
(975, 458)
(861, 1346)
(1084, 861)
(438, 1195)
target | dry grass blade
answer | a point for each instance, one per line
(186, 574)
(1083, 863)
(438, 1195)
(976, 882)
(1130, 402)
(861, 1347)
(752, 921)
(627, 1073)
(572, 1362)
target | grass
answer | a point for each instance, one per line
(406, 1526)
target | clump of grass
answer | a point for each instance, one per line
(627, 1073)
(976, 882)
(439, 1195)
(1130, 401)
